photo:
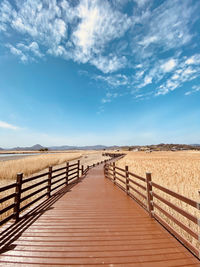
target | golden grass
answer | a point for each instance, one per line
(33, 164)
(29, 166)
(178, 171)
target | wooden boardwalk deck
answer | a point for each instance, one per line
(91, 224)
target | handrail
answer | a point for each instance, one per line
(176, 195)
(71, 172)
(150, 203)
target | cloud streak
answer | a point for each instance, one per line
(9, 126)
(147, 40)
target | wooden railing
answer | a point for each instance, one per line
(153, 198)
(19, 196)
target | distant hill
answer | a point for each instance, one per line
(1, 148)
(158, 147)
(65, 147)
(96, 147)
(195, 145)
(33, 148)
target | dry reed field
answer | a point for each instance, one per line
(33, 164)
(38, 164)
(177, 171)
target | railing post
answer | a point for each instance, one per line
(104, 170)
(67, 172)
(114, 175)
(82, 170)
(127, 180)
(149, 194)
(18, 196)
(78, 169)
(49, 182)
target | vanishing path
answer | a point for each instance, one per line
(93, 224)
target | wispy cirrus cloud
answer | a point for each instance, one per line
(26, 52)
(148, 39)
(195, 89)
(6, 125)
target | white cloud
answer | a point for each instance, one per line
(167, 27)
(109, 96)
(147, 80)
(17, 52)
(99, 25)
(32, 47)
(109, 63)
(6, 125)
(141, 3)
(6, 13)
(195, 89)
(169, 65)
(114, 80)
(25, 52)
(195, 59)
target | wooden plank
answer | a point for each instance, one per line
(94, 224)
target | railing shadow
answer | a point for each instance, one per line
(15, 230)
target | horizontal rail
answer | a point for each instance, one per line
(178, 236)
(7, 187)
(6, 219)
(153, 207)
(137, 176)
(118, 168)
(58, 186)
(57, 175)
(122, 175)
(180, 224)
(4, 199)
(120, 186)
(138, 192)
(32, 202)
(70, 174)
(34, 178)
(137, 200)
(7, 208)
(109, 173)
(176, 208)
(60, 169)
(57, 181)
(34, 193)
(108, 167)
(117, 178)
(73, 169)
(33, 186)
(176, 195)
(70, 170)
(73, 178)
(75, 164)
(139, 185)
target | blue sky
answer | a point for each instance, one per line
(88, 72)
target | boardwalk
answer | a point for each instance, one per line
(93, 224)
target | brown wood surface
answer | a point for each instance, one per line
(92, 223)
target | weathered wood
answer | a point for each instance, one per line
(127, 180)
(114, 174)
(176, 195)
(49, 182)
(149, 194)
(18, 196)
(67, 171)
(78, 169)
(82, 170)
